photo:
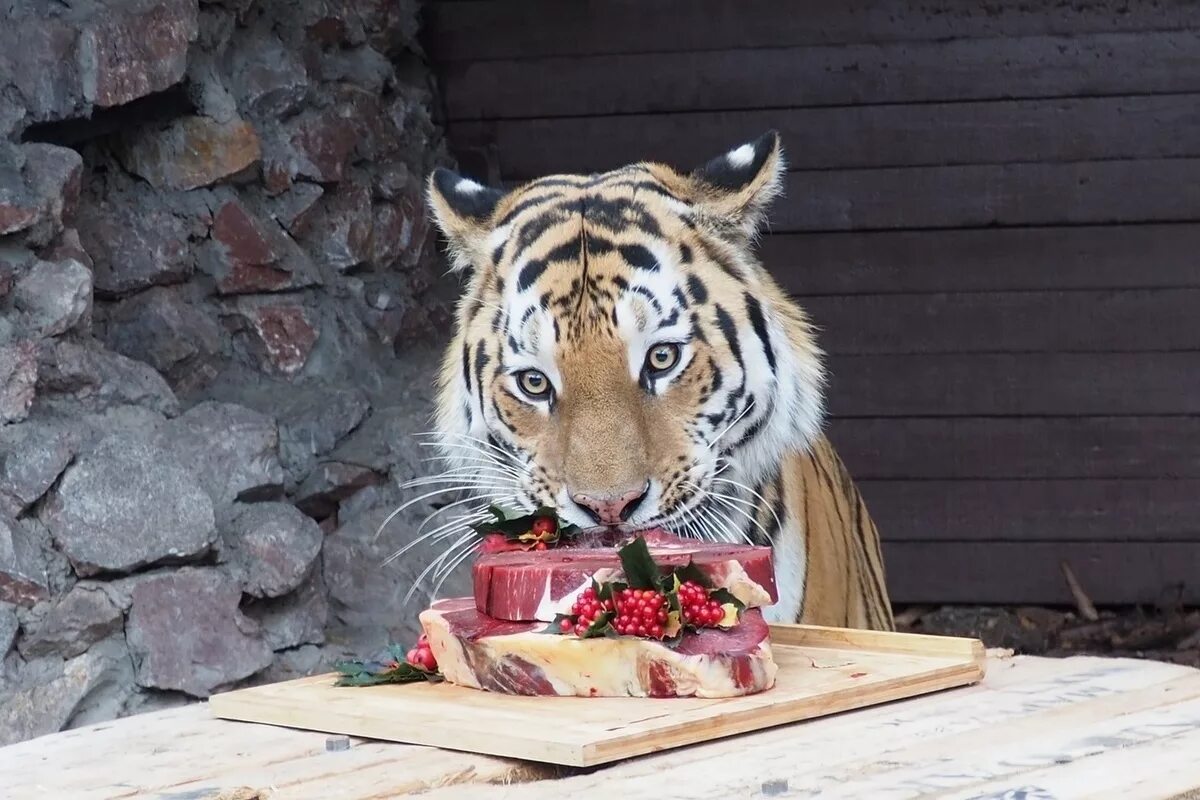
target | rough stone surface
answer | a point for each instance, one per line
(134, 247)
(18, 379)
(100, 378)
(191, 152)
(273, 545)
(169, 331)
(331, 482)
(23, 579)
(246, 255)
(54, 296)
(280, 336)
(39, 184)
(129, 504)
(186, 633)
(141, 49)
(295, 619)
(70, 625)
(8, 627)
(32, 456)
(230, 449)
(47, 705)
(217, 290)
(313, 421)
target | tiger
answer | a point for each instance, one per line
(618, 353)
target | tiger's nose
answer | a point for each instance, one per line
(611, 509)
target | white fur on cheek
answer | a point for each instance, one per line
(740, 156)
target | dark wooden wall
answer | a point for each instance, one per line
(993, 213)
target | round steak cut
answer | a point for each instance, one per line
(536, 585)
(526, 659)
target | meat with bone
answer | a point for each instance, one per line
(473, 649)
(521, 585)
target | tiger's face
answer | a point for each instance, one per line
(619, 355)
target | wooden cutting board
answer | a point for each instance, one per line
(821, 671)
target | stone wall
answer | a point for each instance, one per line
(220, 309)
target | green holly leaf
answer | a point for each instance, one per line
(372, 673)
(640, 570)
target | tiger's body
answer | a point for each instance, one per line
(620, 355)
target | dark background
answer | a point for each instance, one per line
(991, 214)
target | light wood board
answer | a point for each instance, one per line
(822, 671)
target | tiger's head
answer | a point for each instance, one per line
(618, 351)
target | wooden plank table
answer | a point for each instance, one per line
(1033, 728)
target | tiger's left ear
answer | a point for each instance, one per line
(463, 211)
(735, 189)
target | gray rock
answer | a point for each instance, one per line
(8, 627)
(165, 330)
(134, 247)
(299, 662)
(186, 633)
(231, 449)
(23, 578)
(340, 232)
(190, 152)
(101, 379)
(313, 419)
(18, 380)
(54, 296)
(273, 545)
(245, 255)
(39, 184)
(270, 80)
(330, 483)
(32, 456)
(278, 335)
(126, 505)
(294, 619)
(70, 625)
(45, 703)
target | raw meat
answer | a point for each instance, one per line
(522, 586)
(518, 658)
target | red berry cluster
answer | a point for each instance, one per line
(421, 655)
(586, 610)
(641, 612)
(698, 608)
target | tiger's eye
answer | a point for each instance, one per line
(662, 357)
(534, 384)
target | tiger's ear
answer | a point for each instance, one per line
(734, 190)
(462, 210)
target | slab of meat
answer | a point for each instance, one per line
(517, 658)
(524, 585)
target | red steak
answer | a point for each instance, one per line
(520, 585)
(519, 658)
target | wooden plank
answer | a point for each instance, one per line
(993, 132)
(1005, 322)
(1084, 257)
(580, 731)
(1055, 711)
(993, 732)
(1083, 192)
(964, 448)
(1014, 384)
(187, 753)
(484, 29)
(1028, 572)
(713, 80)
(1024, 511)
